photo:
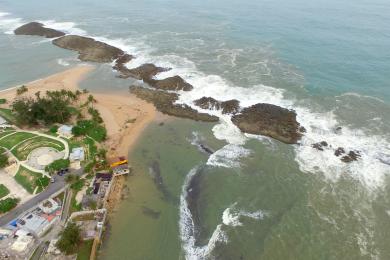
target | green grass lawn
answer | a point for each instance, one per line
(7, 132)
(14, 139)
(28, 179)
(24, 149)
(85, 250)
(4, 191)
(7, 115)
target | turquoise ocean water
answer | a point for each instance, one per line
(255, 198)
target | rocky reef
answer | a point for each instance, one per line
(37, 29)
(165, 103)
(228, 107)
(90, 49)
(269, 120)
(174, 83)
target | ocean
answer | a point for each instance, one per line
(254, 197)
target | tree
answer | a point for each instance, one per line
(3, 160)
(8, 204)
(69, 239)
(57, 165)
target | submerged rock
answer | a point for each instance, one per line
(352, 156)
(320, 146)
(164, 102)
(228, 107)
(174, 83)
(89, 49)
(269, 120)
(38, 29)
(339, 151)
(150, 212)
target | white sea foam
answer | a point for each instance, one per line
(66, 27)
(187, 228)
(63, 62)
(8, 23)
(231, 216)
(375, 150)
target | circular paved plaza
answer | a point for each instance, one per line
(43, 156)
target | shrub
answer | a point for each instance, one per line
(90, 128)
(3, 160)
(8, 204)
(3, 101)
(21, 90)
(57, 165)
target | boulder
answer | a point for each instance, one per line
(269, 120)
(38, 29)
(164, 102)
(228, 107)
(120, 64)
(339, 151)
(89, 49)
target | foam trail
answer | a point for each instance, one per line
(187, 228)
(8, 23)
(231, 216)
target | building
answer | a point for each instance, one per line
(49, 206)
(32, 222)
(23, 240)
(77, 154)
(65, 131)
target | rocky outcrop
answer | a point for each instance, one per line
(120, 64)
(174, 83)
(90, 49)
(144, 72)
(38, 29)
(339, 151)
(320, 146)
(269, 120)
(164, 102)
(227, 107)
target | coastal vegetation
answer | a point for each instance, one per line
(70, 239)
(57, 165)
(53, 107)
(8, 204)
(21, 90)
(3, 101)
(4, 191)
(90, 128)
(3, 159)
(30, 180)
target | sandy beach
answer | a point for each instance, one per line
(124, 115)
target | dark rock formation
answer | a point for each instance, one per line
(37, 29)
(352, 156)
(339, 151)
(269, 120)
(174, 83)
(120, 64)
(164, 102)
(144, 72)
(90, 49)
(228, 107)
(320, 146)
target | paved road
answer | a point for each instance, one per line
(50, 190)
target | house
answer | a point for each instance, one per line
(77, 154)
(32, 222)
(65, 131)
(49, 206)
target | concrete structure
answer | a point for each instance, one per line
(49, 206)
(77, 154)
(65, 131)
(23, 241)
(2, 121)
(121, 170)
(33, 222)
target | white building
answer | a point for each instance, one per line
(77, 154)
(65, 131)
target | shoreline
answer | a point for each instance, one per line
(125, 116)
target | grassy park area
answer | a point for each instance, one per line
(4, 191)
(14, 139)
(7, 115)
(24, 149)
(30, 180)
